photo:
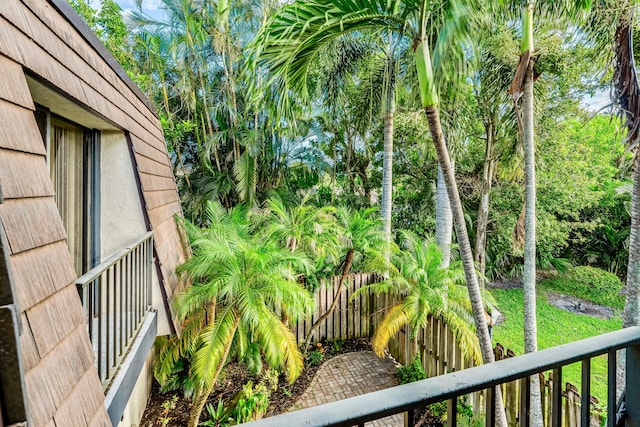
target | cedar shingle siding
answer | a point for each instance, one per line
(39, 38)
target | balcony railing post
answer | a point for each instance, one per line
(632, 393)
(116, 297)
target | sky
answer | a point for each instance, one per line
(150, 7)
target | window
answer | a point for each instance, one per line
(73, 160)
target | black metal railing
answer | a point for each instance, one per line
(116, 296)
(356, 411)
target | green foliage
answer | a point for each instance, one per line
(426, 290)
(219, 416)
(580, 215)
(251, 404)
(336, 346)
(167, 407)
(411, 372)
(589, 283)
(315, 357)
(464, 410)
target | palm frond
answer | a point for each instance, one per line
(388, 327)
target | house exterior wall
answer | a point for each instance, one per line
(45, 41)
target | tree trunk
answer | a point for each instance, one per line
(387, 172)
(482, 220)
(201, 398)
(632, 305)
(464, 244)
(444, 219)
(529, 273)
(348, 260)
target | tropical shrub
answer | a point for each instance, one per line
(589, 283)
(412, 372)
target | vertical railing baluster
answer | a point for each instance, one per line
(107, 316)
(89, 303)
(611, 389)
(525, 399)
(585, 393)
(127, 293)
(138, 283)
(99, 335)
(118, 290)
(556, 403)
(130, 292)
(490, 406)
(114, 313)
(411, 418)
(452, 412)
(149, 271)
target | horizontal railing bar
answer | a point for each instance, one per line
(405, 397)
(98, 269)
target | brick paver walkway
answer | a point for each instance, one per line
(350, 375)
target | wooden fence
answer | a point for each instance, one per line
(358, 318)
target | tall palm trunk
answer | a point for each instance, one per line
(482, 221)
(201, 398)
(632, 304)
(387, 170)
(444, 219)
(529, 274)
(429, 99)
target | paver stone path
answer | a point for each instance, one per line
(350, 375)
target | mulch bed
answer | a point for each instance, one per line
(232, 380)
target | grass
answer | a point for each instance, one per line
(555, 327)
(591, 284)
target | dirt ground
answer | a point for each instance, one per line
(172, 409)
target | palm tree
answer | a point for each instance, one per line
(522, 85)
(363, 245)
(241, 282)
(427, 289)
(288, 44)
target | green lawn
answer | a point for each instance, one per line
(555, 327)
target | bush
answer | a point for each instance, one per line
(589, 283)
(315, 357)
(411, 372)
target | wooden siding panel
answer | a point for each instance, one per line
(153, 167)
(24, 175)
(53, 319)
(154, 150)
(30, 355)
(156, 183)
(43, 407)
(31, 223)
(49, 267)
(13, 85)
(156, 199)
(101, 418)
(19, 130)
(64, 30)
(83, 67)
(160, 214)
(81, 406)
(66, 372)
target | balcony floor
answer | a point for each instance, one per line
(349, 375)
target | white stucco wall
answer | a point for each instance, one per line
(122, 220)
(139, 397)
